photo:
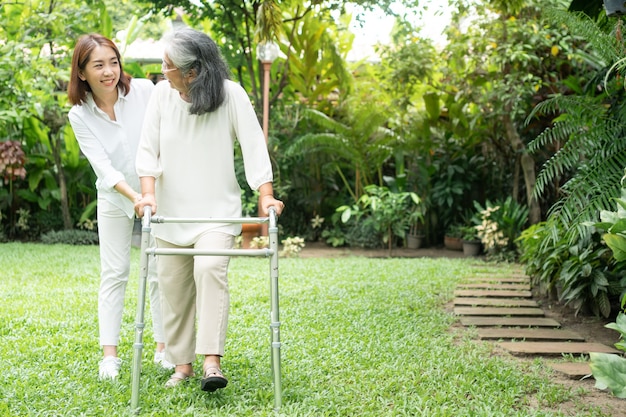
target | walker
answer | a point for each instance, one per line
(146, 251)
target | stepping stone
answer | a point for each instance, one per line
(529, 334)
(555, 348)
(495, 286)
(501, 302)
(493, 293)
(498, 311)
(573, 370)
(509, 321)
(497, 279)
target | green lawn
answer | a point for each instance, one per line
(361, 337)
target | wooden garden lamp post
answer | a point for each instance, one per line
(266, 52)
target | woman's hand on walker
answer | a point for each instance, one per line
(143, 201)
(269, 201)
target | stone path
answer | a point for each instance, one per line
(502, 310)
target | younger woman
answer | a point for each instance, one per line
(107, 114)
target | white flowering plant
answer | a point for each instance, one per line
(260, 242)
(500, 224)
(489, 231)
(292, 246)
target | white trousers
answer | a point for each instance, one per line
(115, 232)
(195, 288)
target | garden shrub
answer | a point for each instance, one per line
(70, 237)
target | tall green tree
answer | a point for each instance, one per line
(507, 59)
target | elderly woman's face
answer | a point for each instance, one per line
(178, 81)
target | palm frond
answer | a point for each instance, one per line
(329, 143)
(326, 122)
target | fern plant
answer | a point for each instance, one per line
(588, 142)
(587, 132)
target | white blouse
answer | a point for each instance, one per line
(111, 146)
(192, 158)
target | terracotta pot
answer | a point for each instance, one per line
(248, 232)
(453, 243)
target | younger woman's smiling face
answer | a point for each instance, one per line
(102, 72)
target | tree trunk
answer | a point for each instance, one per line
(530, 178)
(527, 162)
(528, 167)
(55, 143)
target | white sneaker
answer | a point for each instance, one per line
(159, 359)
(110, 367)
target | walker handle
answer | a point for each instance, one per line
(272, 213)
(147, 215)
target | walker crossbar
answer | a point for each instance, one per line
(146, 252)
(234, 220)
(223, 252)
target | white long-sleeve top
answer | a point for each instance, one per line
(111, 146)
(192, 159)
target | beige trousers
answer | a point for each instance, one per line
(195, 287)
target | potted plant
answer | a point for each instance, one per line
(470, 241)
(453, 238)
(415, 237)
(614, 8)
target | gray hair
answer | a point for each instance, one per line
(189, 49)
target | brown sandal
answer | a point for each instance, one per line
(213, 379)
(177, 378)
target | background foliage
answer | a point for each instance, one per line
(522, 102)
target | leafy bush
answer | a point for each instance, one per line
(542, 262)
(470, 233)
(587, 277)
(609, 370)
(335, 237)
(585, 274)
(364, 235)
(390, 213)
(455, 230)
(70, 237)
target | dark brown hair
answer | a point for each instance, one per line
(77, 89)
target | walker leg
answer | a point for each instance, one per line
(275, 316)
(139, 319)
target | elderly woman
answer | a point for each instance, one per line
(186, 165)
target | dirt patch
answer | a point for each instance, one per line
(590, 327)
(321, 250)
